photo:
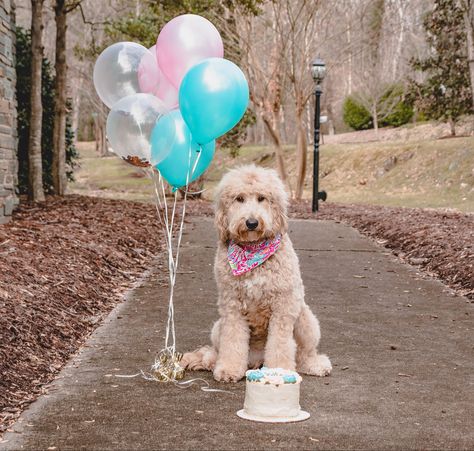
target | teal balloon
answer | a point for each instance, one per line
(213, 97)
(175, 166)
(162, 137)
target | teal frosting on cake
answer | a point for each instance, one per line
(255, 375)
(289, 379)
(275, 376)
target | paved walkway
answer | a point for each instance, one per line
(401, 348)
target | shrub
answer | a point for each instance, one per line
(23, 72)
(392, 107)
(401, 112)
(356, 115)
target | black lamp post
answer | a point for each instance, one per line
(318, 70)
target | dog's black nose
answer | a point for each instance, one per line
(251, 223)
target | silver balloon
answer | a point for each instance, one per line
(116, 71)
(129, 126)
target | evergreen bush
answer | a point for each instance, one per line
(402, 112)
(356, 115)
(23, 73)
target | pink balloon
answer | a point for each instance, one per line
(148, 72)
(185, 41)
(152, 80)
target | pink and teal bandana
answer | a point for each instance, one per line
(244, 258)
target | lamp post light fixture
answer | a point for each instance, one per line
(318, 70)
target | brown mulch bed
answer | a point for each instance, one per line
(441, 243)
(64, 265)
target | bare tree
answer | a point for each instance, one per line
(300, 24)
(61, 9)
(35, 167)
(60, 91)
(262, 63)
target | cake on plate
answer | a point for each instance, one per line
(272, 395)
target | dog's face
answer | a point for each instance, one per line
(251, 205)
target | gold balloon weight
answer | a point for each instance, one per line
(167, 368)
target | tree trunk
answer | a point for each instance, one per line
(35, 166)
(331, 128)
(468, 7)
(452, 126)
(302, 156)
(60, 88)
(275, 136)
(100, 136)
(76, 107)
(375, 118)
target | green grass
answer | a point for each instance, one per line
(430, 174)
(109, 177)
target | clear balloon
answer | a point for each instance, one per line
(154, 81)
(213, 98)
(185, 41)
(129, 127)
(177, 166)
(116, 71)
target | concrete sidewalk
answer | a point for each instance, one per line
(401, 347)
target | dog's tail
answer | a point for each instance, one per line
(201, 359)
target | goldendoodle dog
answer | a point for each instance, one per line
(263, 316)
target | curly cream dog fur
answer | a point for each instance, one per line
(263, 316)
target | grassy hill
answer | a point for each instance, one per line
(430, 173)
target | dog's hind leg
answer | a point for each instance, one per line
(307, 335)
(203, 358)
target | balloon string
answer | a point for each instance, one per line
(153, 175)
(173, 260)
(183, 385)
(166, 367)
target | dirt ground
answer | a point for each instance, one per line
(421, 131)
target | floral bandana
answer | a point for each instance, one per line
(248, 256)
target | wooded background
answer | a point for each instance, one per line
(388, 62)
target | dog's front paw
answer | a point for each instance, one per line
(224, 373)
(317, 366)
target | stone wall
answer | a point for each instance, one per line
(8, 133)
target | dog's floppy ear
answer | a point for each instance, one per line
(221, 222)
(280, 218)
(279, 204)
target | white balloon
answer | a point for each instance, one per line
(116, 71)
(129, 126)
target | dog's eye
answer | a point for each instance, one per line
(261, 198)
(239, 199)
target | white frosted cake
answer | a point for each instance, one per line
(272, 395)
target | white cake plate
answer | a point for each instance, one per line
(300, 417)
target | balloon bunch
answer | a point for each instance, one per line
(169, 103)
